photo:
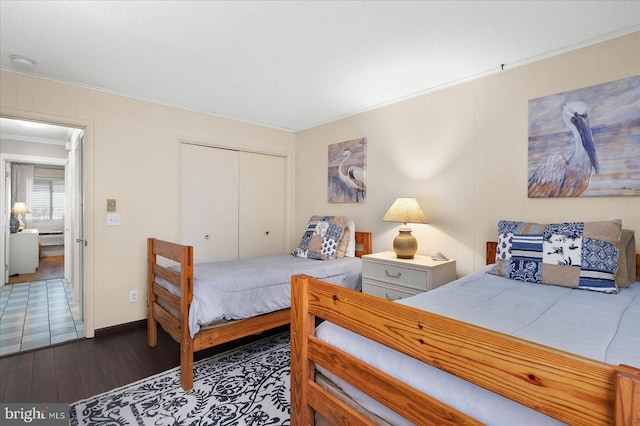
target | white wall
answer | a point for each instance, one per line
(462, 152)
(131, 150)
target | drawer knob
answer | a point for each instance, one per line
(390, 275)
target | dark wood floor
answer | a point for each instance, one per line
(72, 371)
(49, 268)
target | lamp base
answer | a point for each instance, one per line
(14, 224)
(405, 245)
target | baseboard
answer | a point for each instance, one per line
(120, 328)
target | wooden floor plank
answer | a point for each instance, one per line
(68, 377)
(44, 387)
(80, 369)
(5, 370)
(91, 369)
(19, 380)
(49, 268)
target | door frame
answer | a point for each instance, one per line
(4, 197)
(88, 203)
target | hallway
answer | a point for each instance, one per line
(49, 267)
(38, 313)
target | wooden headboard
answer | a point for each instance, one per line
(490, 254)
(363, 243)
(492, 247)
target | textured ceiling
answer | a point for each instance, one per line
(294, 64)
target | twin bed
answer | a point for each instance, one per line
(484, 349)
(246, 297)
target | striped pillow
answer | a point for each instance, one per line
(580, 255)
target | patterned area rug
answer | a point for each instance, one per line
(246, 386)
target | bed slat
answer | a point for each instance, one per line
(172, 276)
(570, 388)
(168, 321)
(169, 250)
(166, 296)
(335, 411)
(402, 397)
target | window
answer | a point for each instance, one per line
(47, 198)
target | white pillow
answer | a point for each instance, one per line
(351, 246)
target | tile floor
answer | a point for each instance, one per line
(36, 314)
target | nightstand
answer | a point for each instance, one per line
(23, 257)
(386, 276)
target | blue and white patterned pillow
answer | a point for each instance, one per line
(321, 237)
(580, 255)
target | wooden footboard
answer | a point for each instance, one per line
(570, 388)
(172, 312)
(167, 309)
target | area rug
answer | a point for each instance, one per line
(245, 386)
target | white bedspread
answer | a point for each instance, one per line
(244, 288)
(605, 327)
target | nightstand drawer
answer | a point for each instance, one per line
(390, 293)
(397, 275)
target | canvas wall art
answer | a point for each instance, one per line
(586, 142)
(347, 172)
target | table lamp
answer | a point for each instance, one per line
(20, 208)
(405, 210)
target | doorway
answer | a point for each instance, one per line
(53, 196)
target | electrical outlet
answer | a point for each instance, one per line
(133, 296)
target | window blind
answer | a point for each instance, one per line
(47, 199)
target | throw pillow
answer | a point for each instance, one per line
(580, 255)
(321, 237)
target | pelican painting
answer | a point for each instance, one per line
(585, 142)
(568, 174)
(347, 172)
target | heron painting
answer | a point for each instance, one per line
(347, 172)
(586, 142)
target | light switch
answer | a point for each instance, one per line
(113, 219)
(111, 205)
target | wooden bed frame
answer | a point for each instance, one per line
(176, 320)
(570, 388)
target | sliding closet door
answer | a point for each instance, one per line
(209, 202)
(262, 204)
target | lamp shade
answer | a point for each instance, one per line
(405, 210)
(20, 208)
